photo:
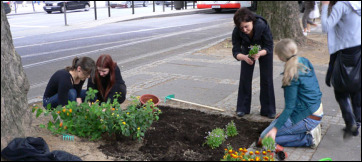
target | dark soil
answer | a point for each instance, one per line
(179, 134)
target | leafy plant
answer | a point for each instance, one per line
(268, 143)
(231, 129)
(254, 50)
(93, 119)
(215, 138)
(245, 155)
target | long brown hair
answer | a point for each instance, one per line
(105, 61)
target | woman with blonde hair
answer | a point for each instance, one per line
(298, 124)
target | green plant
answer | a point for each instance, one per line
(231, 129)
(268, 143)
(215, 138)
(93, 119)
(254, 50)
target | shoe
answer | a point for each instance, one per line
(316, 136)
(348, 133)
(305, 33)
(270, 116)
(240, 114)
(281, 155)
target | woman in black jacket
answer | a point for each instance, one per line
(108, 80)
(251, 29)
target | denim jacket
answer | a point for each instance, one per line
(302, 96)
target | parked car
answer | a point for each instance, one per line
(127, 4)
(51, 6)
(7, 6)
(167, 3)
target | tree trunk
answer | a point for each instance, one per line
(283, 18)
(15, 114)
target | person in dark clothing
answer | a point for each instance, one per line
(251, 29)
(108, 80)
(66, 84)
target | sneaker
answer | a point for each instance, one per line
(316, 135)
(305, 33)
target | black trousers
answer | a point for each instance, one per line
(350, 105)
(120, 89)
(267, 97)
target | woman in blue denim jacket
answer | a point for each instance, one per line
(303, 108)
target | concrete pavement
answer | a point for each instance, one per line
(212, 79)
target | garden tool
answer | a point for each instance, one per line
(67, 137)
(172, 97)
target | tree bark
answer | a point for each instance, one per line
(15, 114)
(283, 18)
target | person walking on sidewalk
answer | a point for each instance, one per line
(306, 20)
(66, 84)
(343, 26)
(108, 80)
(299, 123)
(251, 29)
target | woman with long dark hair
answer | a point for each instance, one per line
(108, 80)
(66, 84)
(251, 29)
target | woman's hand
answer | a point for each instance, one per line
(272, 133)
(79, 100)
(245, 58)
(256, 56)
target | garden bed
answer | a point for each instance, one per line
(179, 134)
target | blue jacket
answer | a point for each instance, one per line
(302, 96)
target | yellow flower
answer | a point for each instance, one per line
(97, 100)
(241, 149)
(127, 113)
(65, 127)
(67, 114)
(138, 97)
(61, 124)
(150, 100)
(257, 152)
(264, 152)
(251, 153)
(58, 112)
(112, 114)
(124, 123)
(113, 109)
(117, 115)
(138, 128)
(257, 158)
(70, 110)
(230, 151)
(64, 110)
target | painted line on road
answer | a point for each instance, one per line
(29, 26)
(105, 35)
(118, 46)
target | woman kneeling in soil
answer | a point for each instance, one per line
(108, 80)
(66, 84)
(299, 123)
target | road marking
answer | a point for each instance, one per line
(105, 35)
(118, 46)
(29, 26)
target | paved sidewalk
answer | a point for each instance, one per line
(213, 80)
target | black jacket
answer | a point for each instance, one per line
(262, 36)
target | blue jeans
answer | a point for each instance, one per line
(293, 135)
(72, 96)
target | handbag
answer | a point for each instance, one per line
(315, 13)
(346, 75)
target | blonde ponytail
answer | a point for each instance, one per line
(287, 49)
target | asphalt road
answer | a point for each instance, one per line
(130, 43)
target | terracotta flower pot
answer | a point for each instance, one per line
(146, 97)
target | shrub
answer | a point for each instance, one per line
(231, 129)
(91, 120)
(215, 138)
